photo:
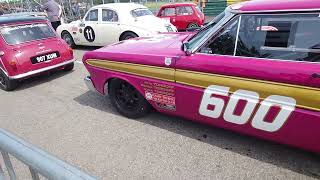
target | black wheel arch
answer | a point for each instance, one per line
(108, 82)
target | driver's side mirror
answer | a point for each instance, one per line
(82, 24)
(186, 48)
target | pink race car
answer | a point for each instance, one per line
(254, 69)
(30, 46)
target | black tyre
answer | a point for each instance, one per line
(127, 100)
(6, 83)
(192, 25)
(68, 39)
(128, 35)
(68, 67)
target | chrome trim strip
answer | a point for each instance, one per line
(275, 11)
(89, 84)
(237, 37)
(257, 58)
(30, 73)
(214, 30)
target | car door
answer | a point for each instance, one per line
(184, 16)
(109, 27)
(170, 14)
(89, 28)
(258, 75)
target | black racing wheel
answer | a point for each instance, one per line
(127, 100)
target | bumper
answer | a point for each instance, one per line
(30, 73)
(89, 84)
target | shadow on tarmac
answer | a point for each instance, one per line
(282, 156)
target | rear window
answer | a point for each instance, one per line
(141, 12)
(24, 33)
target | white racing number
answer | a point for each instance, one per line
(89, 34)
(211, 99)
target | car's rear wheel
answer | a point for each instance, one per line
(6, 83)
(68, 67)
(193, 25)
(68, 39)
(127, 100)
(128, 35)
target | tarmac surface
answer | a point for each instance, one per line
(57, 113)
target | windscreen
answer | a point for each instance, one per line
(141, 12)
(23, 33)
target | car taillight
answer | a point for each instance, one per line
(13, 64)
(71, 51)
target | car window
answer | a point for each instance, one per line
(206, 29)
(168, 12)
(141, 12)
(109, 15)
(283, 37)
(92, 15)
(184, 10)
(24, 33)
(224, 42)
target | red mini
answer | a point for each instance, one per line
(182, 15)
(28, 47)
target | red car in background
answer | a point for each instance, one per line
(182, 15)
(30, 46)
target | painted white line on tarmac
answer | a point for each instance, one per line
(79, 62)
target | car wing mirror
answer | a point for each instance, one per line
(186, 48)
(82, 24)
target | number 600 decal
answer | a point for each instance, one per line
(287, 105)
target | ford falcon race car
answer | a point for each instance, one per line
(29, 46)
(255, 69)
(109, 23)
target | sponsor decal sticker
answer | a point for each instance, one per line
(167, 61)
(161, 94)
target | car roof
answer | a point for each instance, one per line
(25, 14)
(277, 5)
(19, 19)
(178, 4)
(121, 6)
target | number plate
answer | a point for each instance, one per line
(45, 57)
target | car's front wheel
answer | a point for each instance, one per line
(6, 83)
(127, 100)
(128, 35)
(68, 39)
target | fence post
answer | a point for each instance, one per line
(34, 174)
(9, 166)
(1, 173)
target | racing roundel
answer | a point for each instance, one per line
(89, 34)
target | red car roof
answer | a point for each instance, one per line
(277, 5)
(178, 4)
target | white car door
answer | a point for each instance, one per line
(109, 28)
(89, 29)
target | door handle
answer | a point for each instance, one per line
(316, 75)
